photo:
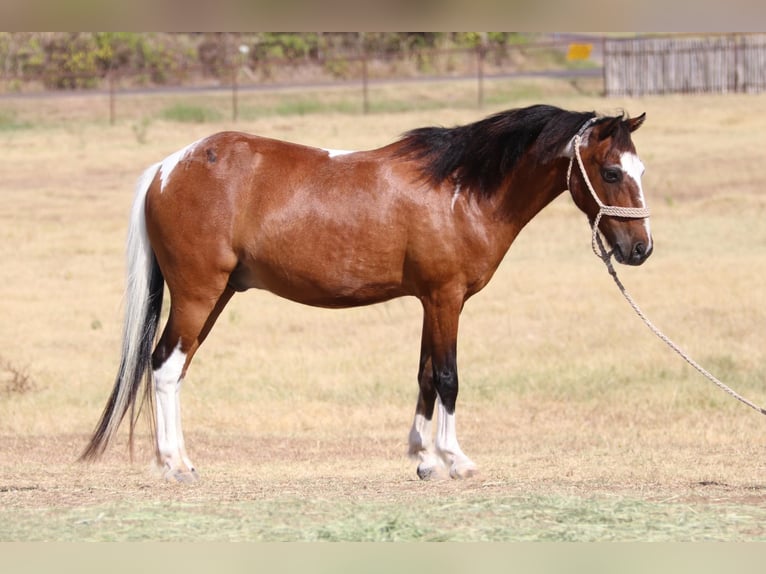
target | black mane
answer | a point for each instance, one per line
(478, 156)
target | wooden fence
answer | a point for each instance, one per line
(717, 64)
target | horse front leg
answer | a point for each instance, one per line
(421, 434)
(460, 466)
(439, 386)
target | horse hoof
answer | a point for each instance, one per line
(462, 472)
(426, 472)
(184, 476)
(190, 476)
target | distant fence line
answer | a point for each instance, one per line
(478, 64)
(344, 66)
(716, 64)
(627, 66)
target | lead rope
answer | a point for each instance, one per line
(606, 256)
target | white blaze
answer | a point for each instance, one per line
(634, 168)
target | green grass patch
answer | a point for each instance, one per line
(191, 114)
(311, 106)
(300, 107)
(9, 122)
(534, 518)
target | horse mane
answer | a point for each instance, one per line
(479, 155)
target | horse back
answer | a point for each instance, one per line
(320, 228)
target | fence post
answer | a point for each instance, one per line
(737, 86)
(240, 60)
(112, 116)
(365, 88)
(481, 53)
(604, 60)
(234, 93)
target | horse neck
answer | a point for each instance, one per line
(529, 188)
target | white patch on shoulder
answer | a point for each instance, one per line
(337, 152)
(169, 163)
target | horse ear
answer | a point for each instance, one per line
(635, 123)
(608, 128)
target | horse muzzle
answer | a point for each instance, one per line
(633, 253)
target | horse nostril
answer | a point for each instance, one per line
(639, 253)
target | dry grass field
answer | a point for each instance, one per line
(584, 425)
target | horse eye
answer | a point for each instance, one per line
(611, 175)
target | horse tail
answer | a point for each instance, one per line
(143, 303)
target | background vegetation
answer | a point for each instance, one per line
(65, 60)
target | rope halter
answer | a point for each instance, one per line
(603, 209)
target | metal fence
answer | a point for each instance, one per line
(716, 64)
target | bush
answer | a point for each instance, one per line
(76, 60)
(14, 381)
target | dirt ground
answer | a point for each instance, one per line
(564, 392)
(41, 471)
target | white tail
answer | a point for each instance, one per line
(143, 303)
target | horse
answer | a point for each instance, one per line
(430, 215)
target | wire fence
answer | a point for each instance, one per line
(612, 67)
(361, 72)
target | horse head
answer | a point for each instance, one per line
(606, 185)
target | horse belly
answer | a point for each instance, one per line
(323, 270)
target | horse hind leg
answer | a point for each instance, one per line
(168, 376)
(188, 325)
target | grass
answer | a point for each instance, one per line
(186, 113)
(252, 105)
(474, 519)
(9, 122)
(298, 105)
(584, 425)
